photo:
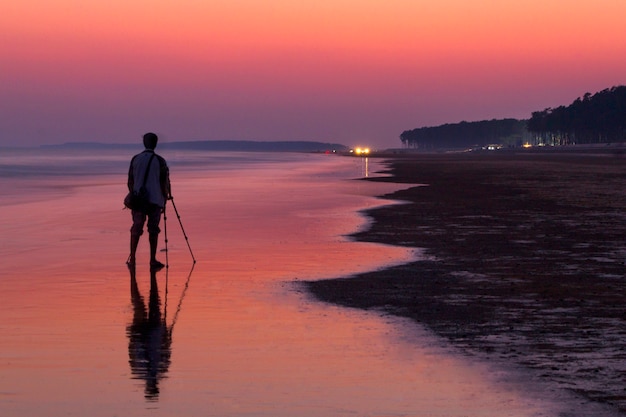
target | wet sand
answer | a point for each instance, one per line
(525, 262)
(81, 335)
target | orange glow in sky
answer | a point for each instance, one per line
(347, 71)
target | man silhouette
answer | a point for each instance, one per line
(149, 168)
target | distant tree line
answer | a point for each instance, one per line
(597, 118)
(507, 132)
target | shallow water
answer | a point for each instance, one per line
(232, 336)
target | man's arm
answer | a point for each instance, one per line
(131, 178)
(166, 187)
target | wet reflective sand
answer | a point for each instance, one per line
(83, 335)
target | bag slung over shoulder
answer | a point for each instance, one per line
(139, 200)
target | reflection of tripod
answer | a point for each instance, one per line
(167, 263)
(170, 329)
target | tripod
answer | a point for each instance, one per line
(181, 228)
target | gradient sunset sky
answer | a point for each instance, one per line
(356, 72)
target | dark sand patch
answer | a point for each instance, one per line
(529, 261)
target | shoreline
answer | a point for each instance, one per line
(525, 262)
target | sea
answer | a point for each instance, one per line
(224, 329)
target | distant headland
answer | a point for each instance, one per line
(215, 145)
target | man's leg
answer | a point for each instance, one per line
(135, 233)
(154, 218)
(134, 242)
(154, 241)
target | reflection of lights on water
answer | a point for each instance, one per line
(362, 152)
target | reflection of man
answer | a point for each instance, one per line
(149, 341)
(148, 170)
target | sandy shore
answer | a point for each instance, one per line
(526, 262)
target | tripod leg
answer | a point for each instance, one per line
(183, 230)
(167, 260)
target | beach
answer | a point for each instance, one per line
(234, 334)
(524, 262)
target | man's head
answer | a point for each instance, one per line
(150, 140)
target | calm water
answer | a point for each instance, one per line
(232, 336)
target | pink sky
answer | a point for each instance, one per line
(346, 71)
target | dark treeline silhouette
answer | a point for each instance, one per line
(597, 118)
(467, 134)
